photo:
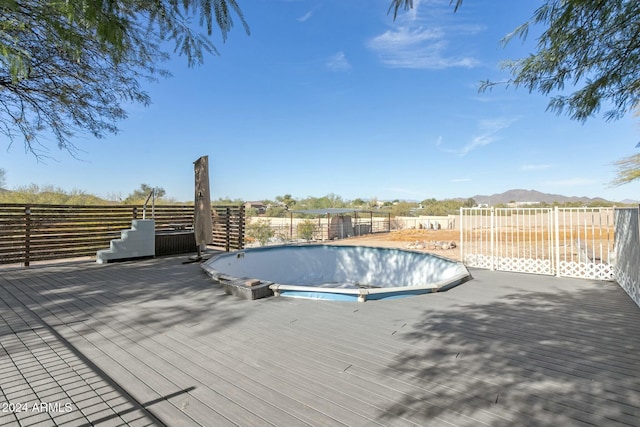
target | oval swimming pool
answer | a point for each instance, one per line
(339, 272)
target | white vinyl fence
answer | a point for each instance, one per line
(627, 248)
(570, 242)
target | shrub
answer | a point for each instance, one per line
(306, 230)
(260, 231)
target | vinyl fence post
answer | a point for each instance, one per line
(556, 245)
(492, 231)
(461, 235)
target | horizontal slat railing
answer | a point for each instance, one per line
(45, 232)
(228, 227)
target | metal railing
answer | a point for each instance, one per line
(152, 195)
(287, 230)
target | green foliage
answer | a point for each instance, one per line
(276, 211)
(396, 208)
(331, 200)
(628, 170)
(408, 4)
(226, 201)
(444, 207)
(140, 195)
(284, 204)
(593, 45)
(34, 194)
(66, 66)
(306, 230)
(402, 208)
(261, 231)
(286, 200)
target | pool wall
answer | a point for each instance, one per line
(339, 272)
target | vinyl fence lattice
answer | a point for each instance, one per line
(570, 242)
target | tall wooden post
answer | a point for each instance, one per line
(27, 235)
(241, 221)
(203, 225)
(227, 227)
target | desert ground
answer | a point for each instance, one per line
(421, 240)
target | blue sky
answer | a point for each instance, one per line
(333, 96)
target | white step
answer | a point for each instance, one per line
(137, 242)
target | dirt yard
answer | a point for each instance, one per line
(432, 241)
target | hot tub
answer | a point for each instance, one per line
(338, 272)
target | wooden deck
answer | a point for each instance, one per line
(155, 342)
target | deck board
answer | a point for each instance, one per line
(155, 342)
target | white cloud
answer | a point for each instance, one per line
(412, 14)
(417, 48)
(338, 62)
(495, 125)
(527, 168)
(477, 142)
(306, 16)
(414, 45)
(488, 134)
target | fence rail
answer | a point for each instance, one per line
(45, 232)
(322, 229)
(570, 242)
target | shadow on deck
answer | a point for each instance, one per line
(156, 342)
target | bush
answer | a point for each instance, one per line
(306, 230)
(260, 231)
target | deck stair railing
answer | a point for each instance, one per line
(152, 196)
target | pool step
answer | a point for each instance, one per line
(137, 242)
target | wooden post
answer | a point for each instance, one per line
(135, 212)
(371, 221)
(241, 221)
(290, 225)
(27, 235)
(227, 226)
(355, 223)
(328, 226)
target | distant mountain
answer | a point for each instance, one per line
(533, 196)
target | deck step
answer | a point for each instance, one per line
(136, 242)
